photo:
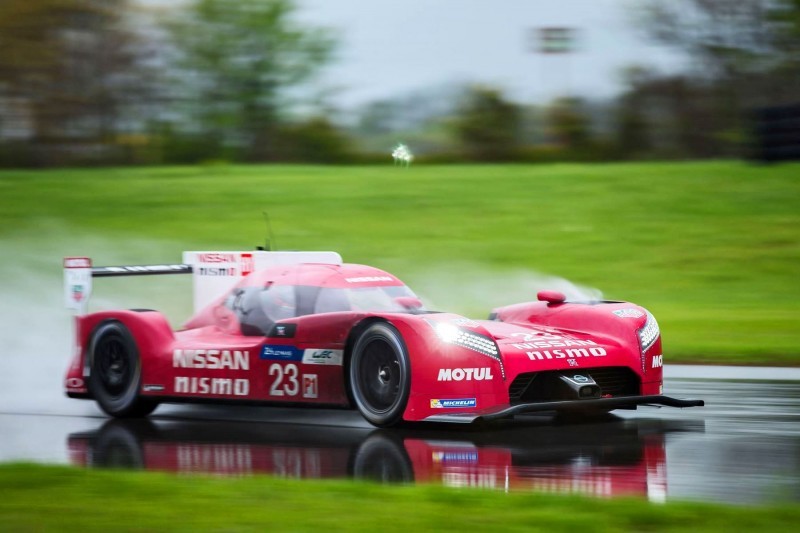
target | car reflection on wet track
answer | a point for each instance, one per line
(615, 457)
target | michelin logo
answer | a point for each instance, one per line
(470, 457)
(323, 356)
(453, 403)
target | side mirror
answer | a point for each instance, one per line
(409, 302)
(551, 297)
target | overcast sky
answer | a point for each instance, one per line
(392, 47)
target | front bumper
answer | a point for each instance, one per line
(599, 404)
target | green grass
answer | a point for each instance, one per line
(712, 248)
(47, 498)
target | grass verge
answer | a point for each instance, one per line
(49, 498)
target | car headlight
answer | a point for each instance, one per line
(649, 332)
(466, 339)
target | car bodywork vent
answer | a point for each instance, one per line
(532, 387)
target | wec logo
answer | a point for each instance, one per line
(323, 356)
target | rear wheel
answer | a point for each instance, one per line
(380, 375)
(116, 372)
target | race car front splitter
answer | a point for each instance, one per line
(567, 406)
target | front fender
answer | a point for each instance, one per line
(446, 377)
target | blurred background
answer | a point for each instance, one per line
(144, 82)
(188, 108)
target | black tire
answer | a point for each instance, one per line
(116, 372)
(380, 375)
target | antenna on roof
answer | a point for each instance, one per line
(270, 237)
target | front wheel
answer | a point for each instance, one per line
(115, 372)
(380, 375)
(383, 459)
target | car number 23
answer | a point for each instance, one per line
(286, 380)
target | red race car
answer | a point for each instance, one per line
(304, 328)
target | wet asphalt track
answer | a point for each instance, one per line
(742, 448)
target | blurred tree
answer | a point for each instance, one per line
(752, 46)
(239, 59)
(71, 69)
(315, 140)
(378, 118)
(669, 117)
(568, 123)
(745, 54)
(488, 125)
(633, 127)
(421, 119)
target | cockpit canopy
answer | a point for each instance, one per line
(263, 298)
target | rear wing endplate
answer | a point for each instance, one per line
(78, 274)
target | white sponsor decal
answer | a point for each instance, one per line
(77, 283)
(77, 262)
(289, 382)
(310, 386)
(218, 257)
(453, 403)
(569, 352)
(323, 356)
(658, 361)
(224, 264)
(218, 386)
(211, 359)
(465, 374)
(628, 313)
(286, 382)
(152, 388)
(551, 343)
(527, 336)
(368, 279)
(216, 271)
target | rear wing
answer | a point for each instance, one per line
(214, 273)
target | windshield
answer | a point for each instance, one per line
(368, 299)
(258, 308)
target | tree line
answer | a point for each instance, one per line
(112, 82)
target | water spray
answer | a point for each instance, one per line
(402, 155)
